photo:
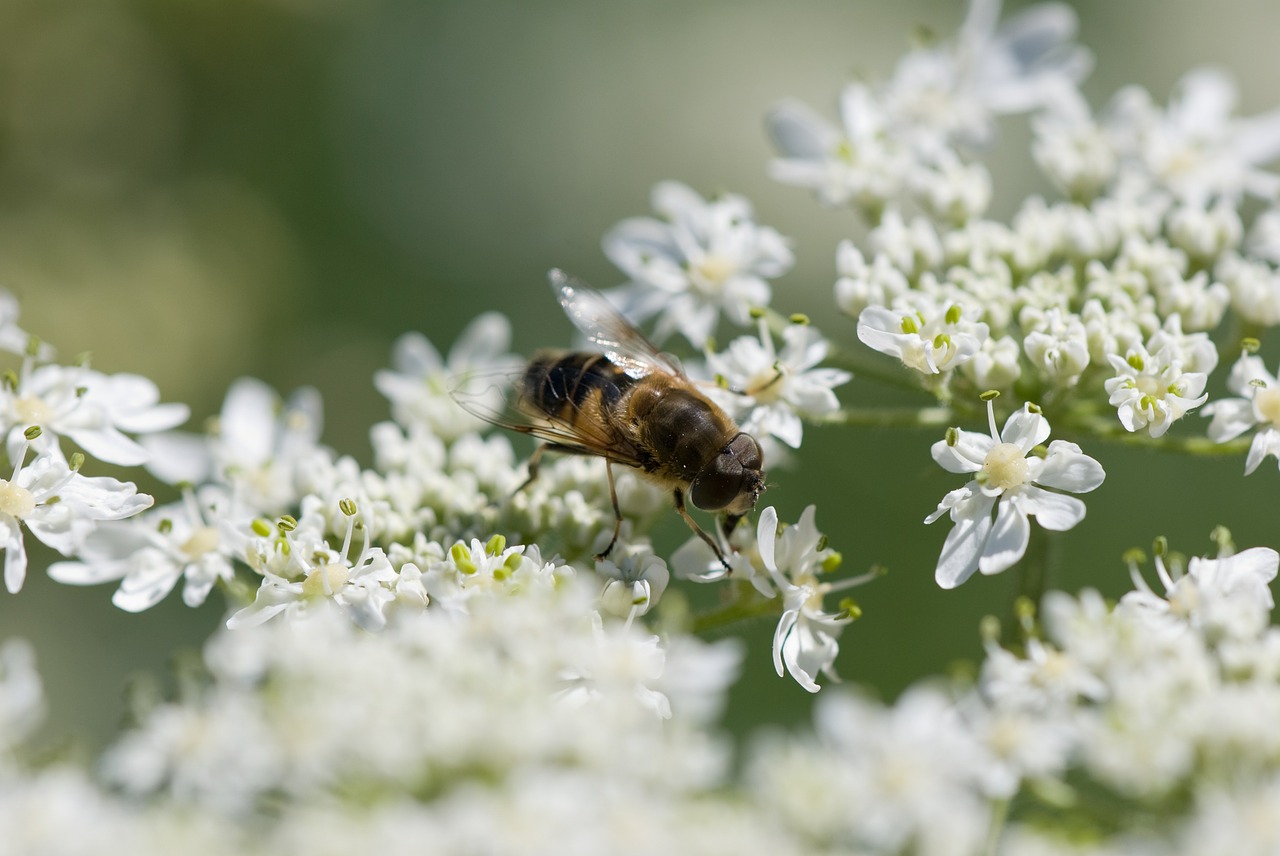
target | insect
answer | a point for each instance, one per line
(631, 405)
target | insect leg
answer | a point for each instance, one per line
(535, 460)
(728, 523)
(617, 513)
(693, 524)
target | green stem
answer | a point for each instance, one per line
(882, 371)
(889, 417)
(749, 604)
(1032, 580)
(1102, 429)
(999, 814)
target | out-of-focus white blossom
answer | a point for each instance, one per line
(420, 382)
(703, 258)
(1258, 406)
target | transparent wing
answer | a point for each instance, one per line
(496, 398)
(624, 345)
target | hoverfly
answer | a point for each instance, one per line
(631, 405)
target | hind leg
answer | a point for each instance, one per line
(617, 513)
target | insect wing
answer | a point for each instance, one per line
(497, 398)
(624, 345)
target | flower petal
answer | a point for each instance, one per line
(1054, 511)
(1067, 468)
(1009, 537)
(965, 542)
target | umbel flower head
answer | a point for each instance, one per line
(1009, 485)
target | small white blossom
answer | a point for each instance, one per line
(929, 337)
(990, 512)
(149, 554)
(13, 338)
(913, 246)
(951, 93)
(59, 506)
(1254, 288)
(858, 163)
(1264, 236)
(92, 409)
(805, 639)
(1228, 596)
(996, 365)
(311, 576)
(1196, 148)
(1153, 391)
(1071, 149)
(419, 382)
(636, 580)
(1057, 345)
(1257, 407)
(776, 388)
(22, 701)
(259, 447)
(861, 285)
(703, 258)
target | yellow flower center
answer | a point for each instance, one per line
(31, 410)
(1148, 386)
(1005, 466)
(1267, 403)
(15, 501)
(203, 540)
(712, 271)
(335, 575)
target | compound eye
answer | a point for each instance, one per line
(718, 484)
(745, 448)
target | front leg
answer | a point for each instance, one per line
(693, 524)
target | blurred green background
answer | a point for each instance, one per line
(200, 189)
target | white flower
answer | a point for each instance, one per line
(22, 702)
(703, 258)
(1153, 391)
(259, 447)
(927, 336)
(911, 773)
(636, 580)
(950, 93)
(1071, 148)
(913, 246)
(1258, 406)
(1195, 148)
(88, 407)
(1228, 596)
(1264, 236)
(990, 512)
(419, 382)
(1057, 344)
(150, 553)
(861, 285)
(1206, 233)
(13, 338)
(805, 639)
(59, 506)
(314, 576)
(776, 389)
(1254, 287)
(858, 163)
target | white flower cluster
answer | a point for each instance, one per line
(525, 725)
(430, 652)
(41, 404)
(1107, 294)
